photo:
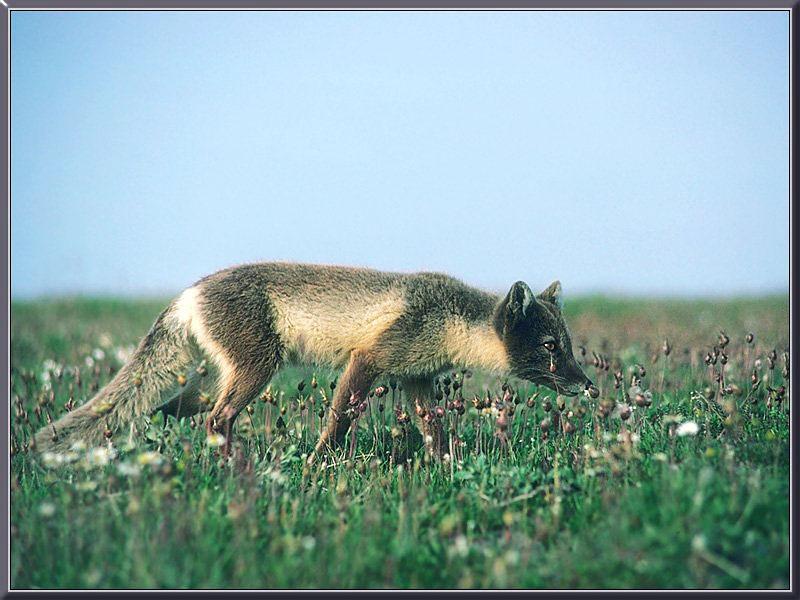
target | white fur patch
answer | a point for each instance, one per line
(187, 312)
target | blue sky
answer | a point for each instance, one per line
(621, 152)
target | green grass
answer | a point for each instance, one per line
(596, 508)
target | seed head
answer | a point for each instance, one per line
(723, 339)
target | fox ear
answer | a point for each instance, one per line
(514, 307)
(552, 294)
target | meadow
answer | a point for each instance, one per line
(675, 476)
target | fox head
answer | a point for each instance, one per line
(537, 339)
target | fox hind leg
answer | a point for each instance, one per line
(236, 392)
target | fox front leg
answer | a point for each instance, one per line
(354, 383)
(420, 393)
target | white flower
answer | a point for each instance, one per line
(78, 446)
(123, 354)
(99, 457)
(104, 340)
(87, 486)
(98, 354)
(660, 456)
(699, 542)
(461, 546)
(634, 437)
(153, 459)
(308, 543)
(128, 470)
(215, 440)
(47, 509)
(89, 361)
(56, 459)
(687, 428)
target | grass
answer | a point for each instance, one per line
(613, 504)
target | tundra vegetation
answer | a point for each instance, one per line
(676, 475)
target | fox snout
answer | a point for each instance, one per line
(573, 382)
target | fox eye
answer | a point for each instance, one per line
(550, 346)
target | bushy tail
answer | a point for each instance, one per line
(135, 390)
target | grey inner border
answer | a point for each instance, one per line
(7, 6)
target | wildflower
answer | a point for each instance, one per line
(78, 446)
(150, 458)
(699, 543)
(102, 407)
(460, 545)
(623, 411)
(215, 440)
(56, 459)
(47, 509)
(99, 457)
(89, 361)
(127, 469)
(660, 457)
(122, 354)
(308, 543)
(86, 486)
(687, 428)
(98, 354)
